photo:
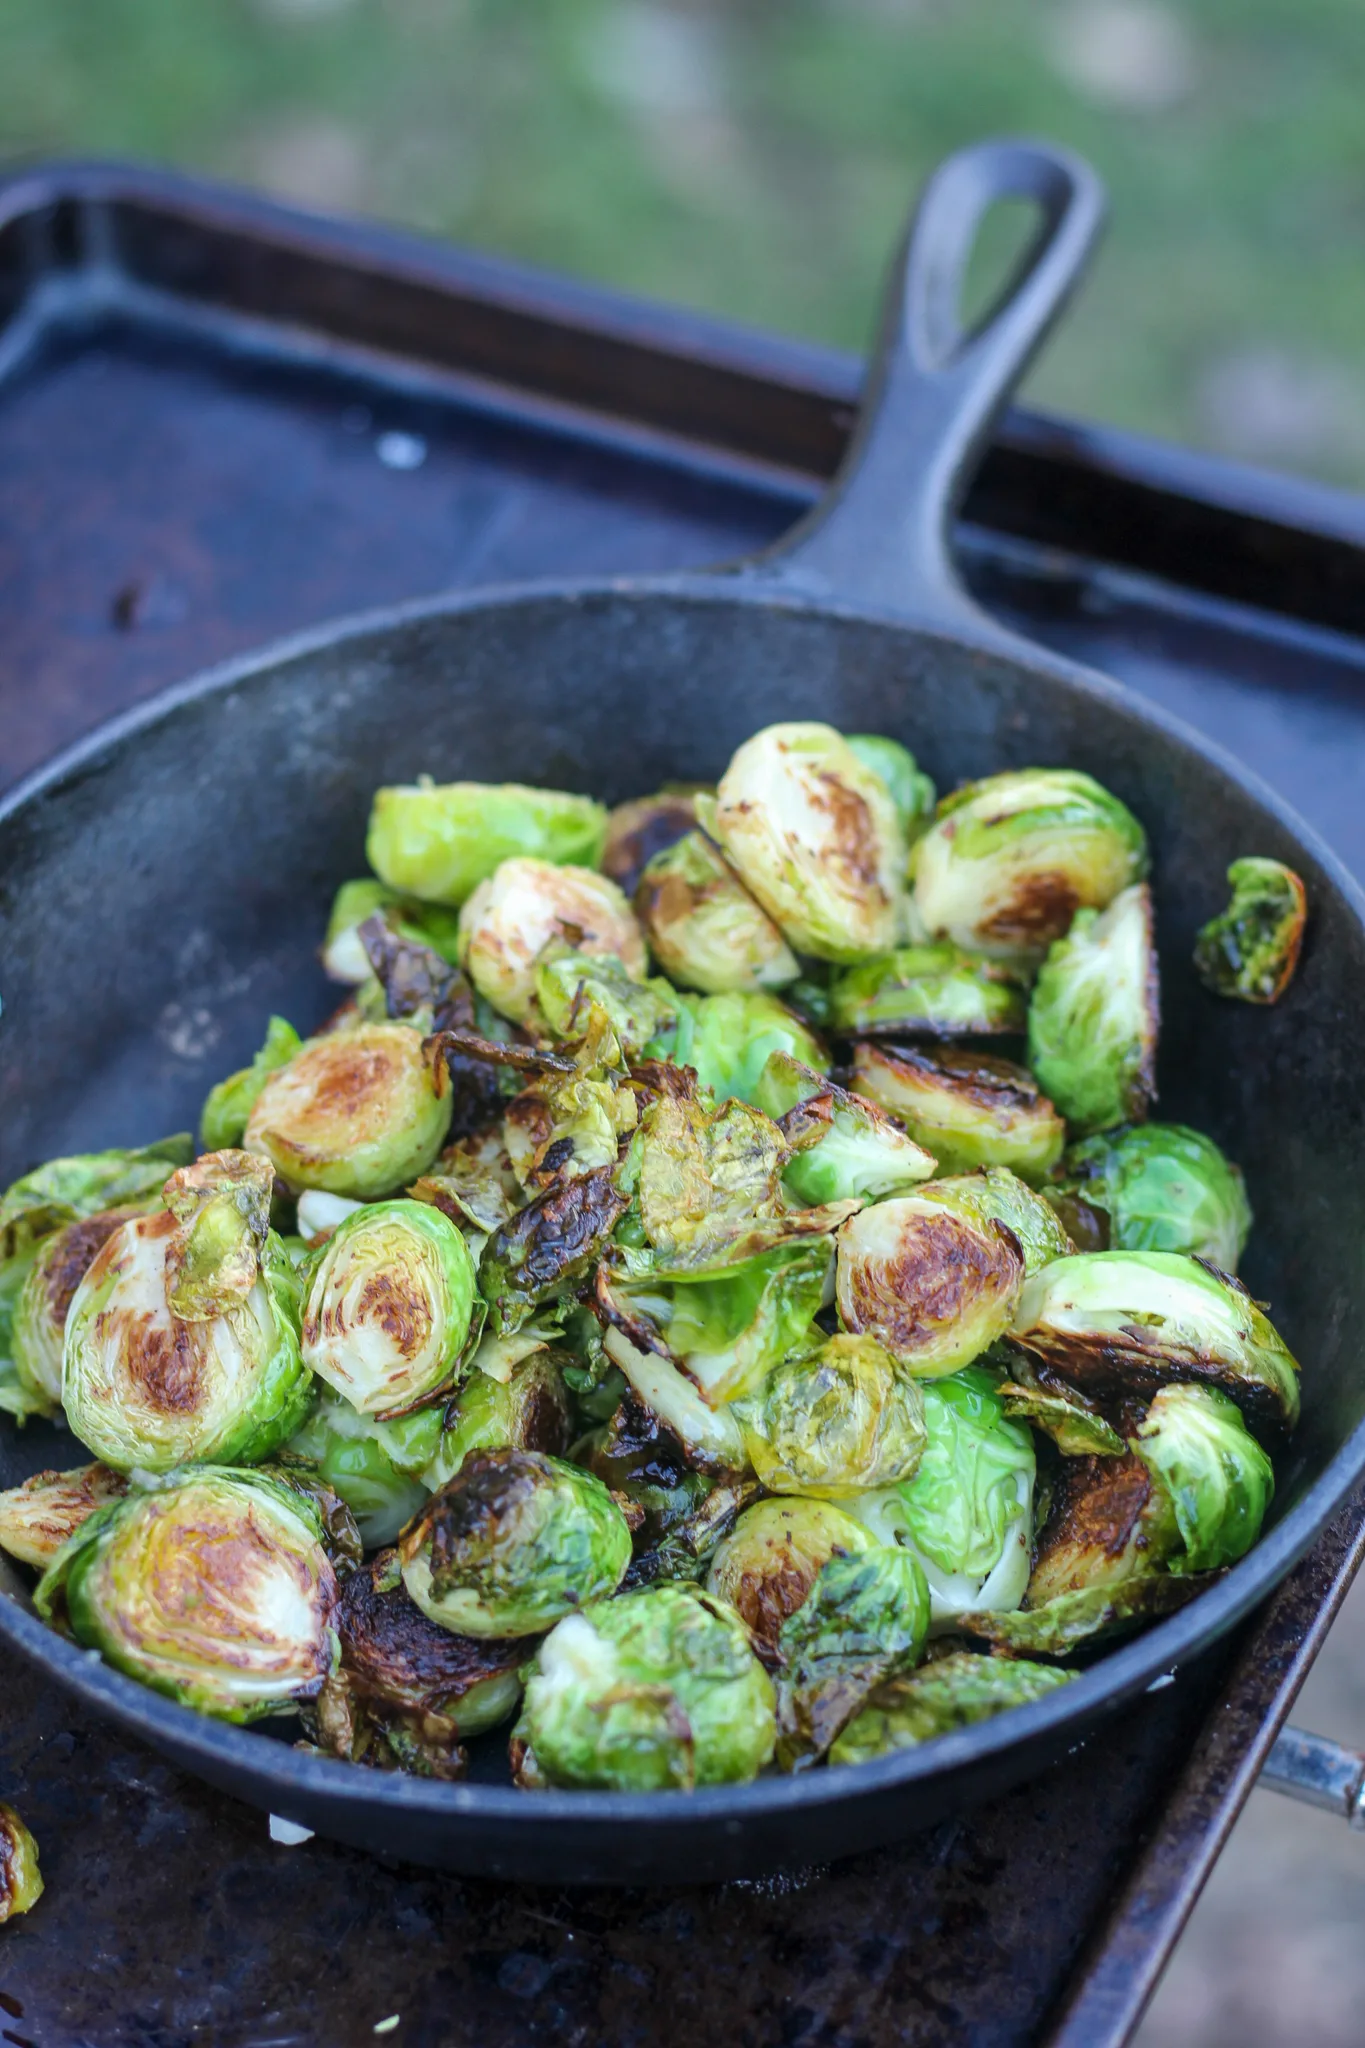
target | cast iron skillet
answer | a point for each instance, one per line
(165, 883)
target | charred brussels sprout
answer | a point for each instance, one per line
(955, 1692)
(438, 841)
(966, 1108)
(359, 1112)
(816, 837)
(912, 792)
(37, 1518)
(40, 1314)
(214, 1588)
(842, 1144)
(994, 1194)
(224, 1117)
(377, 1468)
(1009, 860)
(655, 1691)
(528, 906)
(1164, 1188)
(21, 1882)
(513, 1542)
(728, 1040)
(704, 928)
(929, 1279)
(1092, 1023)
(1080, 1620)
(773, 1556)
(1124, 1323)
(930, 991)
(388, 1306)
(866, 1618)
(1251, 949)
(1111, 1521)
(548, 1246)
(1220, 1481)
(834, 1423)
(637, 830)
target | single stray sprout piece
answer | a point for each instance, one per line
(388, 1306)
(930, 991)
(548, 1246)
(955, 1692)
(773, 1556)
(1009, 860)
(912, 791)
(966, 1108)
(527, 906)
(704, 928)
(1250, 950)
(865, 1620)
(1219, 1480)
(656, 1690)
(834, 1422)
(1092, 1023)
(359, 1112)
(439, 840)
(223, 1119)
(37, 1518)
(637, 830)
(728, 1040)
(21, 1882)
(711, 1437)
(1073, 1421)
(842, 1144)
(1163, 1188)
(569, 984)
(929, 1279)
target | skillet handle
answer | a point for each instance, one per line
(881, 535)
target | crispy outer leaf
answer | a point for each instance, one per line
(1074, 1620)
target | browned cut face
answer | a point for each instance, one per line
(766, 1596)
(396, 1658)
(641, 829)
(37, 1518)
(941, 1268)
(404, 1316)
(350, 1078)
(164, 1364)
(1040, 910)
(855, 844)
(1109, 1522)
(67, 1261)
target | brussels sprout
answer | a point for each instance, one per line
(377, 1468)
(687, 1547)
(655, 1691)
(1126, 1322)
(438, 841)
(1252, 948)
(842, 1145)
(530, 905)
(931, 1281)
(388, 1306)
(66, 1189)
(144, 1388)
(344, 957)
(37, 1518)
(636, 1011)
(1092, 1023)
(17, 1398)
(637, 830)
(816, 837)
(39, 1320)
(706, 1175)
(994, 1194)
(214, 1588)
(223, 1119)
(1220, 1481)
(912, 792)
(773, 1556)
(930, 991)
(513, 1542)
(1075, 1424)
(358, 1113)
(728, 1039)
(1163, 1188)
(548, 1247)
(956, 1692)
(834, 1423)
(21, 1881)
(865, 1620)
(1009, 860)
(1111, 1520)
(966, 1108)
(1076, 1621)
(704, 928)
(528, 1411)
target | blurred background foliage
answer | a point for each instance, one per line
(755, 157)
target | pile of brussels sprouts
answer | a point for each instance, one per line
(651, 1312)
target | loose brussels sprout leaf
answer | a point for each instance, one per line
(530, 906)
(571, 1123)
(528, 1411)
(145, 1390)
(1074, 1621)
(727, 1329)
(375, 1467)
(773, 1556)
(388, 1306)
(706, 1174)
(686, 1549)
(728, 1040)
(498, 1357)
(548, 1247)
(955, 1692)
(344, 957)
(931, 1282)
(834, 1423)
(1010, 859)
(21, 1881)
(512, 1543)
(653, 1691)
(1075, 1424)
(710, 1436)
(866, 1618)
(438, 841)
(644, 1464)
(704, 928)
(966, 1108)
(223, 1119)
(929, 991)
(37, 1518)
(1092, 1023)
(637, 830)
(1127, 1322)
(1220, 1481)
(66, 1189)
(994, 1194)
(842, 1145)
(816, 837)
(359, 1112)
(222, 1205)
(1251, 949)
(912, 791)
(1111, 1520)
(54, 1272)
(1164, 1188)
(568, 984)
(213, 1588)
(419, 986)
(17, 1398)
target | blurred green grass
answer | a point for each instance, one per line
(755, 157)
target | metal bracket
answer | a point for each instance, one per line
(1319, 1772)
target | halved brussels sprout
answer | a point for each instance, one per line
(1127, 1322)
(1219, 1480)
(37, 1518)
(568, 984)
(773, 1556)
(1009, 860)
(865, 1619)
(21, 1881)
(1034, 1394)
(816, 837)
(912, 791)
(1164, 1188)
(930, 991)
(39, 1325)
(728, 1040)
(1092, 1023)
(1252, 948)
(344, 957)
(438, 841)
(1111, 1520)
(526, 1411)
(388, 1306)
(359, 1112)
(527, 906)
(842, 1145)
(704, 928)
(1077, 1621)
(214, 1588)
(222, 1205)
(377, 1468)
(931, 1281)
(512, 1543)
(994, 1194)
(966, 1108)
(548, 1247)
(955, 1692)
(146, 1389)
(834, 1422)
(223, 1119)
(637, 830)
(656, 1690)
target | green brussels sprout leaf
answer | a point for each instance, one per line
(911, 791)
(864, 1620)
(842, 1146)
(727, 1040)
(66, 1189)
(1220, 1481)
(1075, 1424)
(1075, 1621)
(954, 1692)
(223, 1119)
(930, 990)
(1163, 1188)
(1092, 1024)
